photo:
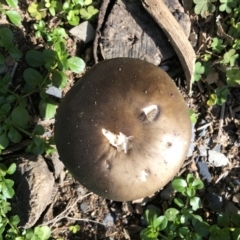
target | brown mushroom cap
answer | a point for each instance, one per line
(112, 95)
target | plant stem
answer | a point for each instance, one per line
(23, 130)
(162, 236)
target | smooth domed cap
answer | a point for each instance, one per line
(123, 130)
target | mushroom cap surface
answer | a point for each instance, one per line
(112, 96)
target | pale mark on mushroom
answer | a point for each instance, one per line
(144, 174)
(151, 112)
(121, 141)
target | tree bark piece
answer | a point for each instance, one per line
(161, 14)
(125, 29)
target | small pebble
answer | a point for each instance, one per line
(84, 207)
(54, 91)
(204, 171)
(84, 31)
(215, 201)
(109, 219)
(217, 159)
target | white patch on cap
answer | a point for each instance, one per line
(144, 175)
(151, 112)
(121, 141)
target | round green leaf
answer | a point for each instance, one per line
(47, 108)
(32, 77)
(59, 79)
(20, 116)
(34, 58)
(43, 232)
(195, 202)
(76, 64)
(223, 220)
(39, 130)
(10, 98)
(14, 17)
(3, 140)
(15, 52)
(198, 184)
(14, 135)
(179, 184)
(12, 168)
(49, 56)
(7, 189)
(171, 214)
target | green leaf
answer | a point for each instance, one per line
(76, 64)
(179, 184)
(38, 130)
(47, 108)
(20, 116)
(221, 94)
(197, 184)
(199, 70)
(230, 57)
(235, 218)
(195, 202)
(14, 136)
(193, 116)
(204, 7)
(149, 234)
(212, 100)
(87, 13)
(183, 232)
(179, 202)
(59, 79)
(227, 5)
(3, 140)
(233, 77)
(15, 52)
(6, 36)
(12, 3)
(12, 168)
(6, 79)
(151, 213)
(14, 17)
(202, 228)
(10, 99)
(236, 234)
(34, 58)
(217, 45)
(160, 223)
(32, 77)
(74, 228)
(14, 220)
(49, 56)
(223, 220)
(171, 214)
(190, 192)
(37, 10)
(43, 232)
(7, 189)
(72, 18)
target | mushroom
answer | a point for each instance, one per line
(123, 130)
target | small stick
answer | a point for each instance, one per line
(221, 123)
(164, 18)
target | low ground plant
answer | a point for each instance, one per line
(183, 221)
